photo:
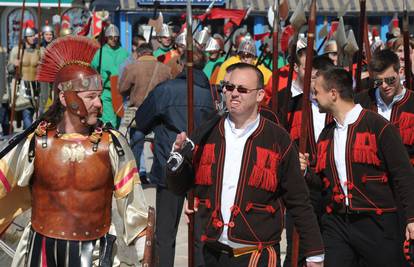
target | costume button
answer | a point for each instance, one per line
(349, 196)
(231, 224)
(86, 233)
(378, 211)
(74, 234)
(63, 233)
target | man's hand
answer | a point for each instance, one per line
(179, 140)
(409, 231)
(304, 161)
(314, 264)
(187, 211)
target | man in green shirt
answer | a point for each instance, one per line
(113, 55)
(214, 50)
(165, 39)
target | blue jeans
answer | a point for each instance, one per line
(137, 146)
(27, 117)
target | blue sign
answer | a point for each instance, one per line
(182, 2)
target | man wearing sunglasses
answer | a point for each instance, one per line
(364, 171)
(389, 97)
(246, 173)
(113, 55)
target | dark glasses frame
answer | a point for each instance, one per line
(229, 87)
(388, 80)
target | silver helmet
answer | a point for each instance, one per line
(214, 43)
(330, 47)
(111, 30)
(181, 38)
(247, 46)
(29, 32)
(165, 31)
(47, 28)
(202, 37)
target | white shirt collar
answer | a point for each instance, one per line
(395, 99)
(350, 117)
(296, 89)
(242, 132)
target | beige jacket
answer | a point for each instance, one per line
(139, 78)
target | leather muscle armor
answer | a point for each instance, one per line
(31, 58)
(71, 188)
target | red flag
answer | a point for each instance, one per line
(234, 15)
(261, 36)
(86, 28)
(287, 33)
(97, 24)
(29, 24)
(334, 26)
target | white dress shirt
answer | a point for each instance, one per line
(235, 142)
(383, 109)
(340, 139)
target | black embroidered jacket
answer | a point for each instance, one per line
(377, 167)
(270, 180)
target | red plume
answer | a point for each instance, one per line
(29, 24)
(286, 36)
(375, 32)
(63, 51)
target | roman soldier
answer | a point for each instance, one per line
(165, 39)
(214, 49)
(73, 167)
(28, 89)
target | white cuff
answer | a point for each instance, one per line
(317, 258)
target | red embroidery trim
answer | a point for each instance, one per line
(365, 149)
(203, 173)
(296, 122)
(264, 172)
(406, 127)
(321, 155)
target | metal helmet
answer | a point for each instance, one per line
(65, 31)
(214, 44)
(302, 43)
(330, 47)
(29, 32)
(247, 46)
(47, 28)
(181, 38)
(202, 36)
(239, 35)
(165, 31)
(111, 30)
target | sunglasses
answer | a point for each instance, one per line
(229, 87)
(387, 80)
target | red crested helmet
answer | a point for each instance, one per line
(66, 64)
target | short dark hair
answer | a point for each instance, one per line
(245, 66)
(199, 58)
(136, 39)
(383, 59)
(144, 48)
(322, 62)
(339, 79)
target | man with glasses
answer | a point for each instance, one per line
(113, 55)
(389, 97)
(245, 173)
(363, 169)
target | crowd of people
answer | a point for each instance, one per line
(350, 196)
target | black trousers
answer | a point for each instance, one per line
(215, 258)
(361, 240)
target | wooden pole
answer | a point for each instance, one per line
(18, 68)
(407, 60)
(305, 111)
(190, 125)
(275, 69)
(360, 45)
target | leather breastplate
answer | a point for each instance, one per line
(72, 188)
(31, 59)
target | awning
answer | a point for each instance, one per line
(33, 3)
(331, 6)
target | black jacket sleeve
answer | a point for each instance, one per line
(297, 201)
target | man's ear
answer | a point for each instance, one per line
(62, 99)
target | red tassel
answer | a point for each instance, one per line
(296, 122)
(263, 175)
(203, 173)
(406, 127)
(321, 155)
(365, 149)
